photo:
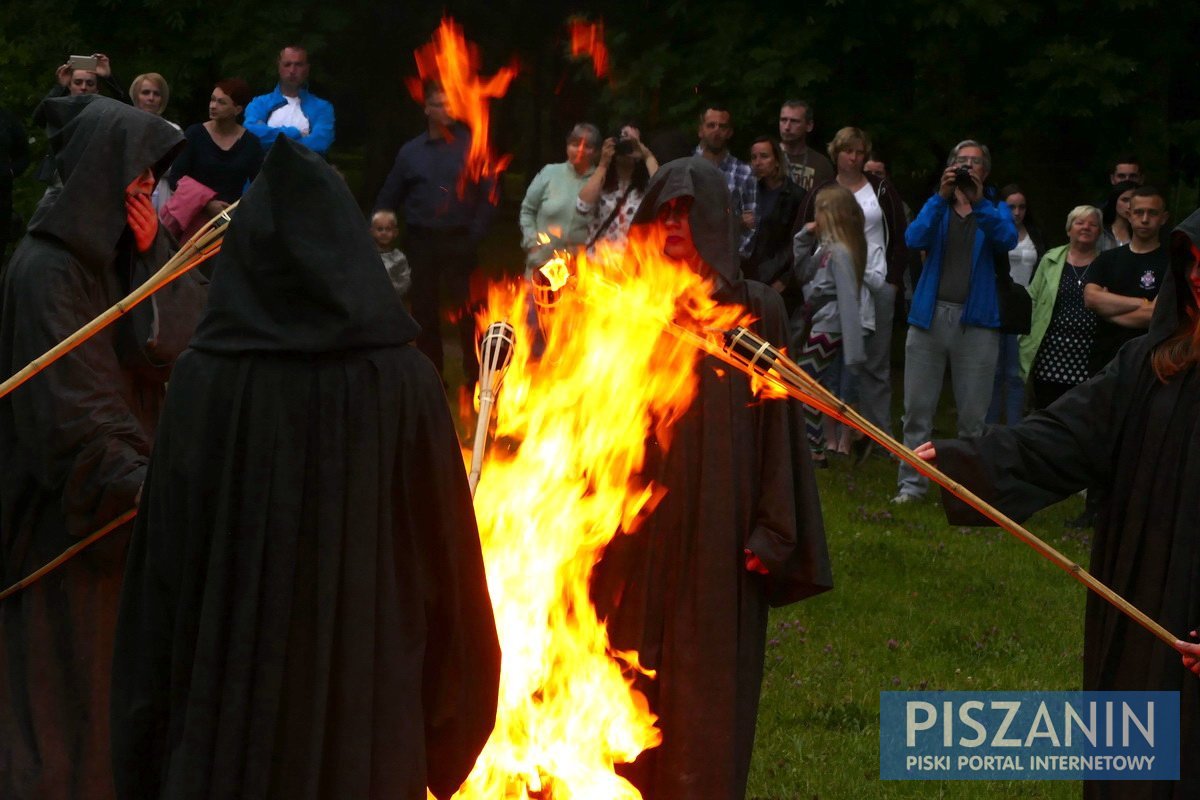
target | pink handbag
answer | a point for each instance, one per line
(184, 213)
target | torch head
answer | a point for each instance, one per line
(495, 354)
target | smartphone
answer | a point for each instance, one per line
(82, 62)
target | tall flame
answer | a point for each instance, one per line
(587, 41)
(453, 62)
(563, 480)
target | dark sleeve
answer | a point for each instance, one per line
(1047, 457)
(391, 196)
(19, 155)
(486, 199)
(183, 162)
(788, 534)
(74, 417)
(1102, 272)
(115, 88)
(897, 224)
(462, 656)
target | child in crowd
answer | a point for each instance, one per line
(385, 230)
(836, 290)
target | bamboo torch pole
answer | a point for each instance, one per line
(751, 354)
(67, 555)
(202, 246)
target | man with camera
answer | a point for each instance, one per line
(955, 313)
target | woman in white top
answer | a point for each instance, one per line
(1008, 390)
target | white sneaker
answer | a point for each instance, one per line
(904, 499)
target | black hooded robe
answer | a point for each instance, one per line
(738, 476)
(75, 439)
(305, 612)
(1138, 439)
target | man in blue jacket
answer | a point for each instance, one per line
(955, 314)
(291, 110)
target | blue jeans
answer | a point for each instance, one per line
(1008, 390)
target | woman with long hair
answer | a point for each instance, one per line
(779, 199)
(1118, 230)
(832, 276)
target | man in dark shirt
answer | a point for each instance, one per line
(445, 219)
(807, 167)
(1122, 284)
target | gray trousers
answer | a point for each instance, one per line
(971, 354)
(874, 381)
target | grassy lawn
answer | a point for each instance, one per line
(917, 604)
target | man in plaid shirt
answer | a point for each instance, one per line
(716, 129)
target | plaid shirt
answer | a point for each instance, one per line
(743, 190)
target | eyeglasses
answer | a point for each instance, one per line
(972, 160)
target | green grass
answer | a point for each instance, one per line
(917, 604)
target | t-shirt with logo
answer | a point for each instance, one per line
(1124, 272)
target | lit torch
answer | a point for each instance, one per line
(495, 354)
(744, 349)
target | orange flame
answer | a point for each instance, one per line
(587, 40)
(566, 479)
(453, 62)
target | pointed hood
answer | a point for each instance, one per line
(298, 271)
(1174, 297)
(98, 146)
(711, 218)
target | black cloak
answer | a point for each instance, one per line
(1138, 440)
(305, 613)
(74, 440)
(737, 476)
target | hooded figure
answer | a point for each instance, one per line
(1137, 438)
(738, 478)
(75, 439)
(305, 613)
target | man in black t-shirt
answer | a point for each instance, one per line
(1121, 284)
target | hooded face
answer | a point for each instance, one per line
(690, 199)
(102, 150)
(1193, 277)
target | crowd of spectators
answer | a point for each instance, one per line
(931, 277)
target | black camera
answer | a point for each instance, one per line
(962, 177)
(624, 145)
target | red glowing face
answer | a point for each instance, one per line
(142, 184)
(678, 245)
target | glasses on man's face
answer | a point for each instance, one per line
(971, 160)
